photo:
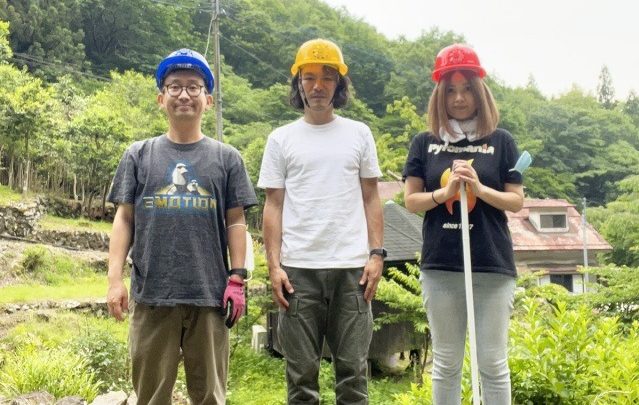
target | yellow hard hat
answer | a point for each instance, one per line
(320, 51)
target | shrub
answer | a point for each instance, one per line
(106, 356)
(59, 372)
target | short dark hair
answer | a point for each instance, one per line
(340, 98)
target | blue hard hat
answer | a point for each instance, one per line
(185, 59)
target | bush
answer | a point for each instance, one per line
(59, 372)
(53, 268)
(106, 356)
(572, 357)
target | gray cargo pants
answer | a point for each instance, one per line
(327, 303)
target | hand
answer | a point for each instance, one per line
(117, 299)
(235, 293)
(466, 173)
(372, 275)
(279, 282)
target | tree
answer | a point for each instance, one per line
(5, 49)
(27, 113)
(605, 90)
(45, 35)
(618, 222)
(631, 107)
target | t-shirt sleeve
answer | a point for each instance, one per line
(125, 180)
(414, 166)
(510, 156)
(369, 166)
(273, 169)
(239, 190)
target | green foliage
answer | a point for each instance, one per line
(8, 196)
(59, 372)
(74, 224)
(605, 90)
(40, 264)
(400, 290)
(568, 357)
(618, 222)
(616, 292)
(47, 32)
(105, 355)
(402, 122)
(5, 48)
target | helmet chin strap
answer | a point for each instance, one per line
(301, 89)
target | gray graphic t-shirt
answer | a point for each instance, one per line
(180, 194)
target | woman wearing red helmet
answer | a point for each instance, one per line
(465, 147)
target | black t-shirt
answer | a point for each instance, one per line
(491, 246)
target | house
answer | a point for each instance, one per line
(547, 235)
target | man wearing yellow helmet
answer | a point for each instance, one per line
(323, 229)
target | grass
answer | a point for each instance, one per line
(84, 288)
(51, 222)
(46, 275)
(7, 195)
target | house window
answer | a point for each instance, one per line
(564, 280)
(552, 221)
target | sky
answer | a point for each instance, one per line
(558, 42)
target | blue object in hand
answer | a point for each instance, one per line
(522, 163)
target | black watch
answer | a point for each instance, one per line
(379, 251)
(240, 272)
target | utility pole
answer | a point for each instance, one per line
(216, 66)
(585, 241)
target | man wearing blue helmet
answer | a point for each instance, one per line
(181, 198)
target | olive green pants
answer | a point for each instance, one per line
(327, 304)
(156, 335)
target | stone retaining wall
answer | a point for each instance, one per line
(21, 220)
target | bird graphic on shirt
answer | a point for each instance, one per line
(178, 177)
(193, 188)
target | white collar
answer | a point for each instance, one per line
(461, 130)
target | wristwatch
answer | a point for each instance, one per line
(240, 272)
(379, 251)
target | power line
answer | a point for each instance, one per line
(271, 67)
(28, 59)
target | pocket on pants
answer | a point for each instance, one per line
(293, 307)
(363, 307)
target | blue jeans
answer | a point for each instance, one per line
(445, 302)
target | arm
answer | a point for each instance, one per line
(417, 200)
(236, 235)
(121, 237)
(511, 199)
(375, 223)
(272, 232)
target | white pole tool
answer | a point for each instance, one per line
(470, 305)
(522, 164)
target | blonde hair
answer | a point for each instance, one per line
(487, 113)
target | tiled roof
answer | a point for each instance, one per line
(527, 238)
(402, 233)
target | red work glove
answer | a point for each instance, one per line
(234, 302)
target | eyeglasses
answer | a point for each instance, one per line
(193, 90)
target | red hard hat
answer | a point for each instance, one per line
(456, 57)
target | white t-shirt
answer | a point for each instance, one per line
(320, 166)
